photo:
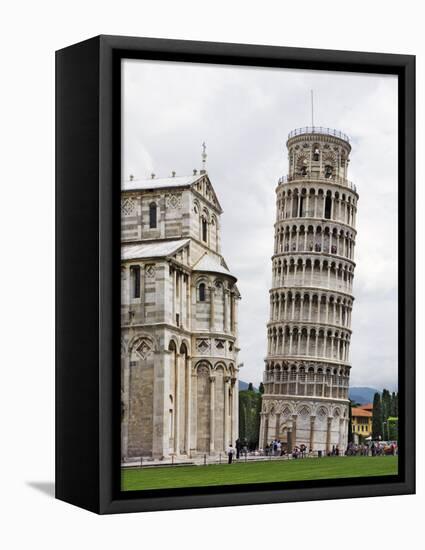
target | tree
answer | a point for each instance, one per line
(249, 416)
(394, 404)
(392, 428)
(386, 405)
(350, 423)
(353, 404)
(261, 388)
(377, 416)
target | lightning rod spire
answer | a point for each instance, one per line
(312, 108)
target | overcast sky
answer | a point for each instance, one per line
(244, 116)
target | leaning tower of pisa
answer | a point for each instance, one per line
(307, 366)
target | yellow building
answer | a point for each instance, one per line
(362, 420)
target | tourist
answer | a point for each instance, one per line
(230, 453)
(278, 447)
(238, 447)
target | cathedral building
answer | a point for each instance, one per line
(307, 367)
(179, 371)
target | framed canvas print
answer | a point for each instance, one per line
(235, 274)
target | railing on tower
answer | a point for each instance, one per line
(318, 130)
(319, 179)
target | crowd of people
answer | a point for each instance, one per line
(374, 448)
(278, 449)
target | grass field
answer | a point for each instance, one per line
(133, 479)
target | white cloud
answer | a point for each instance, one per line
(244, 115)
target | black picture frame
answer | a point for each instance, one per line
(88, 152)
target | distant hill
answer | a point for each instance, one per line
(244, 385)
(359, 395)
(362, 395)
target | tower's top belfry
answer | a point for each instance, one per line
(318, 153)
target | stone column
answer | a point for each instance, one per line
(212, 308)
(266, 429)
(261, 434)
(226, 412)
(294, 430)
(126, 402)
(173, 321)
(182, 323)
(235, 410)
(341, 442)
(277, 426)
(312, 420)
(188, 375)
(212, 413)
(177, 405)
(232, 312)
(188, 303)
(328, 435)
(226, 312)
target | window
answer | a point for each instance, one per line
(302, 206)
(152, 215)
(204, 230)
(328, 204)
(178, 319)
(316, 154)
(135, 280)
(202, 292)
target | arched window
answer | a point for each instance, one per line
(328, 205)
(202, 292)
(152, 215)
(204, 230)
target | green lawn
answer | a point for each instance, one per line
(257, 472)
